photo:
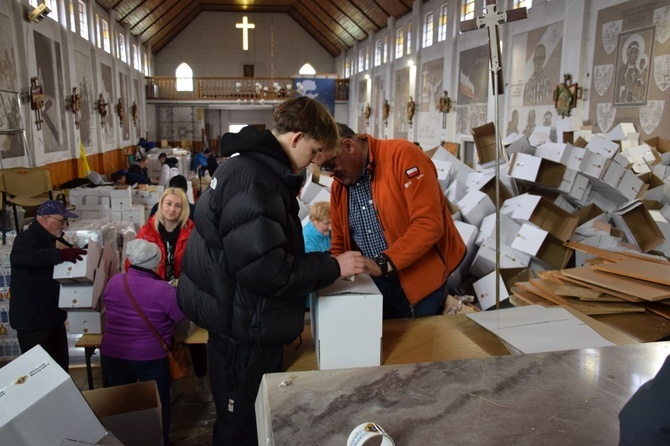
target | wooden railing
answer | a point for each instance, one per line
(231, 88)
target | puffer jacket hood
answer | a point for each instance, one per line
(253, 142)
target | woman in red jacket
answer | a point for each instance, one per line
(169, 228)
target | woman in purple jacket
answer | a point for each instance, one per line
(129, 350)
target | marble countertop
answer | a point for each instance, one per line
(569, 397)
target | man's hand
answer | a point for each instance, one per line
(371, 267)
(351, 263)
(71, 254)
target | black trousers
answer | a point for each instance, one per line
(235, 376)
(53, 340)
(198, 359)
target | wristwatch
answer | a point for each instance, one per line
(383, 262)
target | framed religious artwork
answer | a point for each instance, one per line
(248, 70)
(566, 95)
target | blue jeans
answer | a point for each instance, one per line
(117, 371)
(397, 306)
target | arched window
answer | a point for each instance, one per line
(184, 76)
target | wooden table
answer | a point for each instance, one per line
(428, 339)
(89, 342)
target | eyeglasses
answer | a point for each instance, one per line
(328, 166)
(62, 222)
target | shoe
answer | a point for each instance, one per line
(203, 390)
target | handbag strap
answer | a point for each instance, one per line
(141, 313)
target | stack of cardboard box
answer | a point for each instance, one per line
(82, 284)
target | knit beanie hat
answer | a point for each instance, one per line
(143, 253)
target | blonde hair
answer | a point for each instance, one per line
(320, 211)
(185, 209)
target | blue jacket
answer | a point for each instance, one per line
(314, 240)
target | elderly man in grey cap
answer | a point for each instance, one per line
(33, 308)
(130, 350)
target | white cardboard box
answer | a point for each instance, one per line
(82, 295)
(602, 146)
(347, 313)
(553, 151)
(593, 164)
(529, 239)
(576, 157)
(474, 206)
(485, 290)
(309, 191)
(444, 172)
(468, 233)
(86, 321)
(83, 271)
(336, 353)
(41, 405)
(322, 195)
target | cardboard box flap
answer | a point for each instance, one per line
(361, 284)
(485, 142)
(125, 398)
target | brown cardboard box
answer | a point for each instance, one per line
(485, 142)
(662, 145)
(132, 412)
(638, 226)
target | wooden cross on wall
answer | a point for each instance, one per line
(491, 20)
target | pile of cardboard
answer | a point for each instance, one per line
(604, 191)
(118, 204)
(610, 283)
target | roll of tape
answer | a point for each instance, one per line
(365, 432)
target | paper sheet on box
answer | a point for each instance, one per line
(534, 329)
(362, 284)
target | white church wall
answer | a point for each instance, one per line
(212, 46)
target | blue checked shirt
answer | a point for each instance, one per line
(363, 222)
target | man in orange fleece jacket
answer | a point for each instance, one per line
(386, 202)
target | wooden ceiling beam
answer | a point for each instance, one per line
(182, 22)
(328, 43)
(164, 26)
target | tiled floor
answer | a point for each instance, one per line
(192, 420)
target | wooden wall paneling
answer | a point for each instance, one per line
(103, 163)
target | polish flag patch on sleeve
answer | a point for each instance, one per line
(412, 172)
